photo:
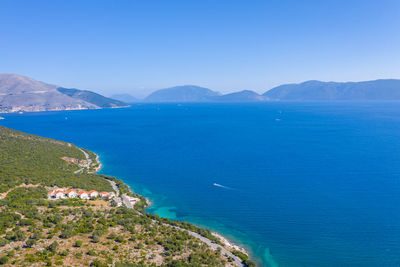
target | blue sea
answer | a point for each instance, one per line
(297, 184)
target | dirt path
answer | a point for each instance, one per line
(3, 195)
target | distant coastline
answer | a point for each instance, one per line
(29, 110)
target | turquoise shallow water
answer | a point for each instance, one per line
(311, 184)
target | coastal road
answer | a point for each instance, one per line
(236, 260)
(89, 161)
(117, 199)
(126, 201)
(114, 186)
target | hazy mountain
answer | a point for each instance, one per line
(20, 93)
(127, 98)
(323, 91)
(185, 93)
(91, 97)
(242, 96)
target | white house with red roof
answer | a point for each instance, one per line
(83, 195)
(105, 195)
(71, 193)
(93, 193)
(59, 194)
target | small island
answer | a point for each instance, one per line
(55, 210)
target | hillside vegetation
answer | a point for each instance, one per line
(30, 159)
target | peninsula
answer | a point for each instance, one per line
(23, 94)
(56, 210)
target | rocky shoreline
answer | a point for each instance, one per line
(229, 245)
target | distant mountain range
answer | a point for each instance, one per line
(20, 93)
(242, 96)
(127, 98)
(192, 93)
(91, 97)
(185, 93)
(378, 90)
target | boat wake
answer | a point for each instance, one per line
(223, 186)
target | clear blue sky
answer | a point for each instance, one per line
(138, 46)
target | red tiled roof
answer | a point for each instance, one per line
(92, 191)
(69, 191)
(82, 192)
(55, 193)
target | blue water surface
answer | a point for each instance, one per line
(298, 184)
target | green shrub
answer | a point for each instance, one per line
(53, 247)
(240, 254)
(3, 242)
(97, 263)
(3, 260)
(91, 253)
(249, 263)
(64, 253)
(30, 243)
(120, 239)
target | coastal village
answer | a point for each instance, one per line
(91, 166)
(73, 193)
(60, 193)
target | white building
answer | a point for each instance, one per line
(93, 193)
(117, 201)
(71, 193)
(83, 195)
(132, 200)
(105, 194)
(59, 194)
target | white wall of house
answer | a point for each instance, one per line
(72, 194)
(94, 194)
(84, 196)
(60, 195)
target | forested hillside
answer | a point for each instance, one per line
(30, 159)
